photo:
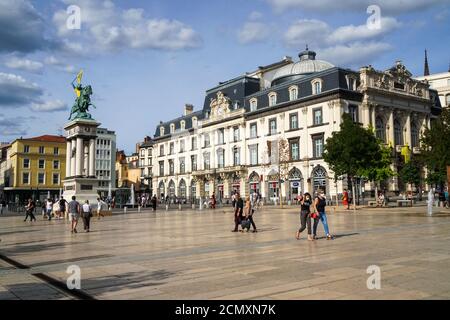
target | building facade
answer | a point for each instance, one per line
(441, 83)
(232, 143)
(145, 151)
(35, 168)
(105, 158)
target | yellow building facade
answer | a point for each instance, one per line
(37, 167)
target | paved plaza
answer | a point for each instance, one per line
(193, 255)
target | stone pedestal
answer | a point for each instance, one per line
(81, 180)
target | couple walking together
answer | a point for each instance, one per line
(313, 209)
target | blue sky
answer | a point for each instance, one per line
(140, 77)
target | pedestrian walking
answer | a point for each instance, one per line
(29, 209)
(62, 207)
(154, 202)
(320, 204)
(49, 208)
(100, 205)
(248, 215)
(213, 200)
(447, 200)
(305, 216)
(74, 212)
(86, 215)
(238, 212)
(345, 199)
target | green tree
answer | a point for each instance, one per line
(352, 151)
(412, 173)
(382, 170)
(435, 149)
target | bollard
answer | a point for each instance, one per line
(193, 206)
(139, 209)
(125, 209)
(200, 206)
(167, 207)
(179, 206)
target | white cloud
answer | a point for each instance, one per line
(25, 65)
(16, 91)
(351, 33)
(387, 6)
(354, 54)
(306, 31)
(252, 32)
(49, 106)
(104, 27)
(58, 64)
(255, 15)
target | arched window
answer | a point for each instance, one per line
(172, 128)
(253, 104)
(272, 99)
(161, 131)
(193, 189)
(172, 189)
(398, 133)
(182, 189)
(293, 93)
(295, 174)
(182, 124)
(319, 178)
(414, 135)
(161, 189)
(316, 86)
(380, 129)
(194, 122)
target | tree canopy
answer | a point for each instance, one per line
(435, 148)
(355, 151)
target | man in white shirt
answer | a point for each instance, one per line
(86, 215)
(100, 205)
(49, 207)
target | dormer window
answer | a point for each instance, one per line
(293, 93)
(272, 99)
(161, 131)
(317, 86)
(351, 82)
(172, 128)
(253, 104)
(182, 124)
(194, 122)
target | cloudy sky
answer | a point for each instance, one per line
(146, 59)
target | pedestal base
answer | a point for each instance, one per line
(82, 188)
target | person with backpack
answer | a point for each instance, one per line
(86, 215)
(74, 212)
(305, 216)
(320, 204)
(154, 202)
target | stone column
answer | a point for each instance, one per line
(408, 130)
(73, 162)
(366, 115)
(91, 172)
(79, 156)
(373, 115)
(390, 137)
(68, 158)
(85, 160)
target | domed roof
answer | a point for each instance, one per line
(305, 66)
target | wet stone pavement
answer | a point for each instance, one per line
(193, 255)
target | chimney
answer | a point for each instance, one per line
(188, 109)
(426, 69)
(147, 139)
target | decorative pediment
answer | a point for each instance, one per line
(220, 106)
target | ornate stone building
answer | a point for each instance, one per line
(231, 144)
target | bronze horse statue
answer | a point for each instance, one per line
(82, 102)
